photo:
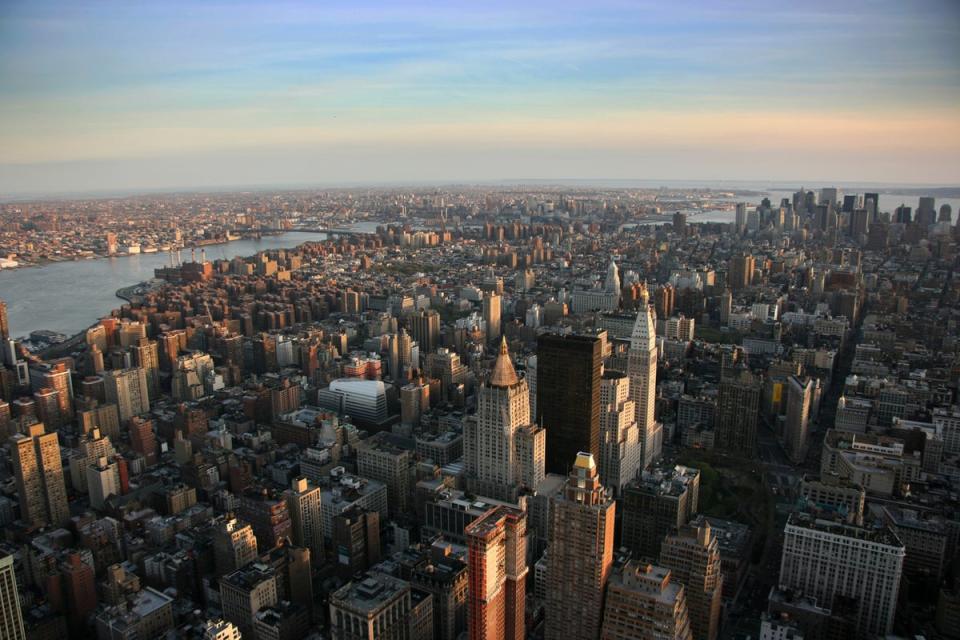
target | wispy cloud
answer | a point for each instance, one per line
(115, 79)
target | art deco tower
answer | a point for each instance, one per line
(503, 451)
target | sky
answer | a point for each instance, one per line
(156, 95)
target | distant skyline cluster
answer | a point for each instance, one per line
(116, 95)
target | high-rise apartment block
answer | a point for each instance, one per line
(740, 272)
(660, 502)
(103, 481)
(234, 545)
(4, 322)
(128, 389)
(491, 315)
(580, 555)
(38, 471)
(692, 555)
(356, 540)
(738, 411)
(304, 504)
(425, 328)
(391, 460)
(643, 602)
(497, 566)
(245, 592)
(146, 355)
(620, 446)
(143, 440)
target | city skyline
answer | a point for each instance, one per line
(110, 96)
(443, 321)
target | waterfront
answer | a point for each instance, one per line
(67, 297)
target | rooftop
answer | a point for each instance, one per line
(880, 535)
(370, 593)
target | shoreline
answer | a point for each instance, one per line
(46, 262)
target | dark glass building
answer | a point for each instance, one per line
(568, 397)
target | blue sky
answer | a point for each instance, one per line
(178, 94)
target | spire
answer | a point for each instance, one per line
(644, 335)
(503, 374)
(612, 281)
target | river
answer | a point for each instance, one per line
(67, 297)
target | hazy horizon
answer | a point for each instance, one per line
(111, 96)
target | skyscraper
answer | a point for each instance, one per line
(502, 450)
(356, 540)
(620, 447)
(146, 355)
(926, 211)
(611, 283)
(48, 407)
(797, 426)
(81, 589)
(580, 554)
(738, 407)
(39, 474)
(491, 315)
(11, 620)
(692, 555)
(642, 370)
(103, 481)
(380, 607)
(234, 545)
(643, 602)
(425, 327)
(303, 502)
(497, 566)
(57, 377)
(246, 591)
(740, 272)
(741, 218)
(873, 210)
(4, 322)
(662, 501)
(143, 440)
(827, 560)
(128, 389)
(568, 397)
(220, 630)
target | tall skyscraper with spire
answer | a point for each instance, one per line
(580, 555)
(503, 450)
(642, 371)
